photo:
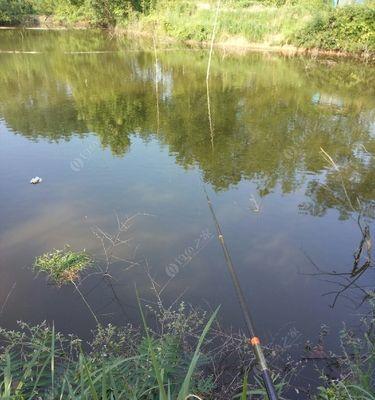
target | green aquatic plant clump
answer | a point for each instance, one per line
(62, 266)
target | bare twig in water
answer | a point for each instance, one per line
(110, 242)
(212, 132)
(345, 285)
(213, 39)
(156, 81)
(155, 286)
(365, 244)
(7, 298)
(86, 302)
(334, 165)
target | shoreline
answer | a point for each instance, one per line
(237, 45)
(233, 45)
(285, 50)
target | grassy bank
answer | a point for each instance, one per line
(172, 361)
(38, 362)
(308, 24)
(179, 359)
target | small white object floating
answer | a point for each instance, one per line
(36, 180)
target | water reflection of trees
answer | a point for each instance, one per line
(271, 115)
(358, 176)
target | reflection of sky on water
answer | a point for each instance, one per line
(327, 100)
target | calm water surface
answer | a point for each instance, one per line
(117, 133)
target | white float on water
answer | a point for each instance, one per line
(35, 180)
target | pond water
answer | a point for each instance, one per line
(115, 129)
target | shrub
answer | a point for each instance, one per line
(109, 13)
(44, 7)
(350, 28)
(14, 11)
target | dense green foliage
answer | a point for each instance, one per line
(310, 23)
(251, 21)
(347, 28)
(97, 12)
(14, 11)
(307, 23)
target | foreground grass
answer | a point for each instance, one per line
(37, 362)
(355, 367)
(124, 363)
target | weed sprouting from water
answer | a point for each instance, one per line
(63, 266)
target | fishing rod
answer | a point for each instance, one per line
(254, 339)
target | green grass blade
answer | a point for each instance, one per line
(82, 377)
(62, 389)
(114, 386)
(104, 386)
(38, 378)
(7, 376)
(184, 391)
(72, 395)
(53, 360)
(29, 369)
(89, 379)
(155, 364)
(369, 396)
(244, 387)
